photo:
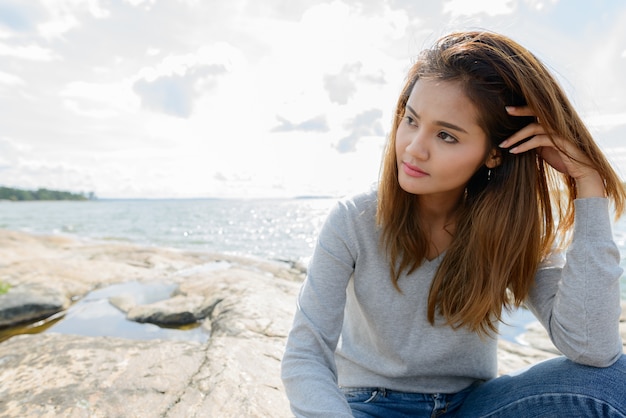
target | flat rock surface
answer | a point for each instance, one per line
(246, 304)
(28, 303)
(63, 375)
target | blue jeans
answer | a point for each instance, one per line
(553, 388)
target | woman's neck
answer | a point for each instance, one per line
(437, 211)
(438, 221)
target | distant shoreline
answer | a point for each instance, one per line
(22, 195)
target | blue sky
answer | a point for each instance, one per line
(251, 98)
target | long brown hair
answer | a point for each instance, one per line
(510, 218)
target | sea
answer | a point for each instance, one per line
(273, 229)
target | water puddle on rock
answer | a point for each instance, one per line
(93, 315)
(515, 324)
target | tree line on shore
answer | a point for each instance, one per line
(9, 193)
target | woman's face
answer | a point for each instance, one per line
(439, 144)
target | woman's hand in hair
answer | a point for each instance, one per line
(560, 153)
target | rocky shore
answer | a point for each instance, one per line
(246, 305)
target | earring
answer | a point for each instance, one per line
(488, 174)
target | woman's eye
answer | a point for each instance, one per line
(446, 137)
(410, 120)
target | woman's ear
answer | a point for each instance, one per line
(494, 158)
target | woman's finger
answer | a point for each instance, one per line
(536, 141)
(522, 135)
(557, 152)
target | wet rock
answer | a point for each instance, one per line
(177, 311)
(28, 303)
(248, 306)
(123, 302)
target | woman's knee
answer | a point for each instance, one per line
(558, 385)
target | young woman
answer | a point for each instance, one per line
(487, 171)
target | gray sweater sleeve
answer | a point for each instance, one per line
(579, 303)
(308, 366)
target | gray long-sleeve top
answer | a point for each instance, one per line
(352, 328)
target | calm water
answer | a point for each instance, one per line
(93, 315)
(272, 229)
(280, 229)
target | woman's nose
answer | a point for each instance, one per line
(418, 146)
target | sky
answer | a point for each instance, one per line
(257, 98)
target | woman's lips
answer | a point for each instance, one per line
(413, 171)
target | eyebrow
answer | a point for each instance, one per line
(440, 122)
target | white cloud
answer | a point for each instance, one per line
(362, 126)
(540, 5)
(315, 124)
(239, 98)
(10, 79)
(341, 87)
(596, 67)
(58, 26)
(30, 52)
(65, 15)
(5, 33)
(458, 8)
(11, 151)
(136, 3)
(81, 110)
(172, 85)
(605, 121)
(220, 54)
(105, 98)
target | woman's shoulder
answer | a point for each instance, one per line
(354, 216)
(360, 203)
